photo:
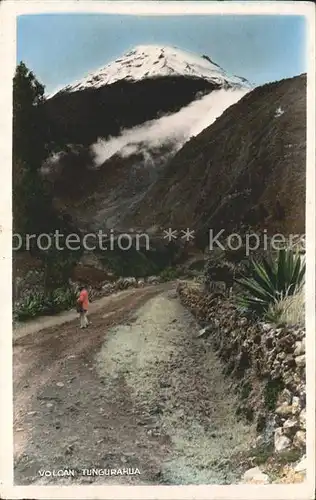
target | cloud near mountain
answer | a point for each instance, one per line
(174, 129)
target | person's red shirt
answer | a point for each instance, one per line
(84, 299)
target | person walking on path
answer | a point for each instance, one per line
(83, 306)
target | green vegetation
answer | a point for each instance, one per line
(271, 393)
(262, 453)
(41, 303)
(33, 208)
(286, 457)
(268, 460)
(270, 281)
(169, 274)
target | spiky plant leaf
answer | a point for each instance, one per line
(271, 280)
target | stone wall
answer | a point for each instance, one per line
(268, 364)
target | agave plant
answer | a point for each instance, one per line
(271, 280)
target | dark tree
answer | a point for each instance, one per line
(32, 204)
(29, 129)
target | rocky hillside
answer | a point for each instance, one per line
(247, 168)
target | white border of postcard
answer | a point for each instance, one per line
(9, 10)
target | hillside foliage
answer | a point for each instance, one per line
(272, 280)
(33, 209)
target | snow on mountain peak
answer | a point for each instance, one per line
(154, 61)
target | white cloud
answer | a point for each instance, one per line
(173, 129)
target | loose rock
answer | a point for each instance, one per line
(204, 332)
(302, 419)
(284, 410)
(281, 442)
(285, 397)
(302, 465)
(296, 405)
(299, 348)
(255, 475)
(290, 426)
(300, 361)
(300, 439)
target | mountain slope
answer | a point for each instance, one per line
(117, 129)
(142, 85)
(248, 168)
(113, 174)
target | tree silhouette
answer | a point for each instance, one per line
(32, 204)
(28, 118)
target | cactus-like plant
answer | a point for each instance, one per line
(271, 280)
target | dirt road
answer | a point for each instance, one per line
(137, 391)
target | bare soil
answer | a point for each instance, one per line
(137, 389)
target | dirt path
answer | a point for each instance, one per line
(137, 390)
(33, 326)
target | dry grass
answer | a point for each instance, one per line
(290, 310)
(289, 476)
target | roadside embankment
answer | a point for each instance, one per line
(267, 362)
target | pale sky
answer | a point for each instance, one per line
(62, 48)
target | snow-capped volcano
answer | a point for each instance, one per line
(146, 83)
(155, 61)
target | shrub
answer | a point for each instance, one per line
(288, 311)
(271, 280)
(63, 298)
(31, 306)
(39, 303)
(271, 393)
(169, 274)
